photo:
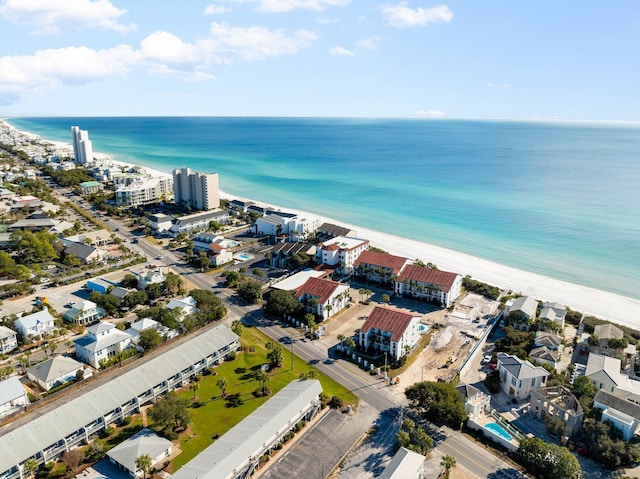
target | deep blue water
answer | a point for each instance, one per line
(560, 199)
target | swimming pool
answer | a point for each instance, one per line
(498, 430)
(243, 256)
(423, 328)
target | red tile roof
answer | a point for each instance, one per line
(444, 279)
(387, 319)
(318, 287)
(383, 260)
(331, 247)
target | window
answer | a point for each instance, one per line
(533, 382)
(513, 381)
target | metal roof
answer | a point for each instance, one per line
(248, 437)
(18, 444)
(404, 464)
(143, 442)
(10, 389)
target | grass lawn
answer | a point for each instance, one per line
(213, 416)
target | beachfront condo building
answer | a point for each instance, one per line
(196, 190)
(82, 148)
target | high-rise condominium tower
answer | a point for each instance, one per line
(196, 190)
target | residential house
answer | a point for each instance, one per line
(390, 330)
(239, 205)
(45, 211)
(87, 254)
(13, 396)
(622, 409)
(554, 312)
(281, 253)
(84, 312)
(142, 325)
(558, 402)
(160, 222)
(55, 371)
(428, 283)
(8, 340)
(604, 372)
(521, 312)
(323, 297)
(326, 231)
(100, 237)
(120, 292)
(198, 221)
(149, 276)
(405, 464)
(203, 241)
(295, 281)
(545, 355)
(379, 267)
(476, 403)
(259, 210)
(550, 340)
(90, 187)
(33, 224)
(35, 325)
(341, 251)
(271, 224)
(519, 378)
(611, 342)
(186, 306)
(219, 255)
(102, 342)
(145, 442)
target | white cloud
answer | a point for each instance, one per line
(429, 114)
(190, 76)
(402, 16)
(340, 51)
(370, 43)
(165, 47)
(279, 6)
(53, 16)
(498, 85)
(214, 9)
(51, 68)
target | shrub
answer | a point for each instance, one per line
(336, 402)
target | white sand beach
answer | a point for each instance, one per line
(616, 308)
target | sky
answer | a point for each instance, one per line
(325, 58)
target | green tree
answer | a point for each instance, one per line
(448, 462)
(170, 413)
(144, 464)
(174, 283)
(5, 372)
(547, 461)
(437, 402)
(129, 281)
(237, 327)
(223, 384)
(135, 298)
(194, 386)
(263, 378)
(385, 298)
(150, 338)
(250, 290)
(584, 391)
(283, 303)
(30, 466)
(275, 357)
(593, 340)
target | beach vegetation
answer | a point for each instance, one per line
(448, 462)
(283, 303)
(170, 414)
(150, 338)
(414, 438)
(67, 178)
(478, 287)
(606, 446)
(108, 302)
(232, 278)
(250, 290)
(437, 401)
(515, 342)
(547, 461)
(584, 391)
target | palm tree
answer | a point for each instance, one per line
(30, 466)
(144, 464)
(194, 386)
(448, 462)
(223, 384)
(341, 338)
(263, 378)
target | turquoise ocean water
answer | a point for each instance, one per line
(556, 198)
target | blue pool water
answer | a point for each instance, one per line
(243, 256)
(496, 428)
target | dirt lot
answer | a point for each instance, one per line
(452, 334)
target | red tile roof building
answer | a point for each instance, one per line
(390, 330)
(341, 251)
(331, 296)
(430, 284)
(379, 267)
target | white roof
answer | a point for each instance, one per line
(187, 302)
(345, 242)
(83, 305)
(144, 323)
(247, 438)
(6, 332)
(143, 442)
(298, 279)
(22, 439)
(10, 389)
(405, 464)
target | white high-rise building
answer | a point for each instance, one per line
(196, 190)
(82, 147)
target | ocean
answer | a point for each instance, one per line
(556, 198)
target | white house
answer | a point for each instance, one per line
(429, 283)
(520, 378)
(323, 297)
(554, 312)
(186, 306)
(524, 304)
(141, 325)
(102, 342)
(84, 312)
(160, 222)
(8, 340)
(35, 325)
(341, 251)
(390, 330)
(604, 372)
(622, 409)
(55, 371)
(13, 396)
(144, 442)
(476, 403)
(405, 464)
(149, 276)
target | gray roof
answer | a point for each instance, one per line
(467, 390)
(143, 442)
(335, 230)
(544, 353)
(82, 251)
(245, 439)
(31, 320)
(206, 216)
(120, 292)
(526, 304)
(41, 431)
(34, 223)
(602, 368)
(6, 332)
(519, 368)
(10, 389)
(619, 401)
(404, 464)
(54, 368)
(551, 340)
(607, 331)
(92, 344)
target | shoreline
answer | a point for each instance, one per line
(613, 307)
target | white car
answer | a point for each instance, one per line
(487, 358)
